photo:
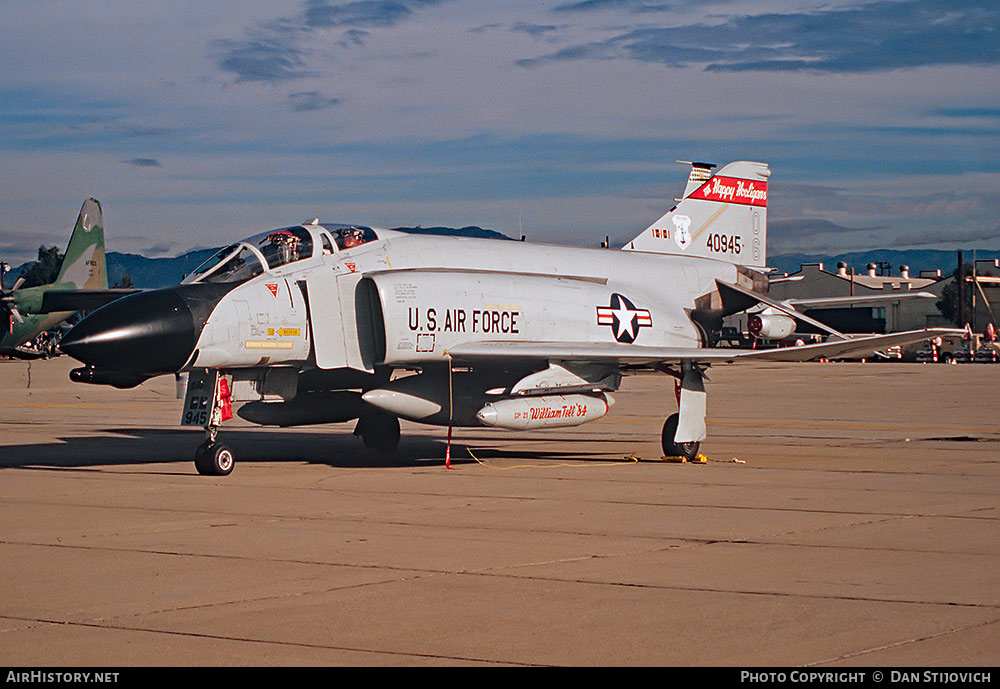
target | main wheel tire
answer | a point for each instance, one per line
(670, 448)
(379, 432)
(214, 459)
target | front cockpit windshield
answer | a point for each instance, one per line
(286, 245)
(236, 263)
(251, 257)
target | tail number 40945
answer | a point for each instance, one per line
(724, 243)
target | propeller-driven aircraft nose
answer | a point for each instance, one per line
(144, 333)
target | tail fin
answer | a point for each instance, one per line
(721, 216)
(84, 266)
(700, 172)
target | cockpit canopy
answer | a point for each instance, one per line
(269, 250)
(348, 236)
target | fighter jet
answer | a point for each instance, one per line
(325, 323)
(82, 283)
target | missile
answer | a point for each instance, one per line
(427, 399)
(404, 404)
(549, 411)
(771, 326)
(122, 381)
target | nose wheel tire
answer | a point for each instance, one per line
(214, 459)
(670, 448)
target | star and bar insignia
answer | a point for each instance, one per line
(624, 318)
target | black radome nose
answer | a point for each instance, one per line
(144, 333)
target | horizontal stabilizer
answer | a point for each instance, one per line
(783, 307)
(820, 302)
(654, 357)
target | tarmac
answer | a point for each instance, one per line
(847, 516)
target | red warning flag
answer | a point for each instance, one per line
(225, 400)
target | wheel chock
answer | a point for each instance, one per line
(698, 459)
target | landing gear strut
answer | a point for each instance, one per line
(208, 403)
(683, 432)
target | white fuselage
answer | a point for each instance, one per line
(435, 292)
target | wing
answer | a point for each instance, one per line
(818, 302)
(80, 299)
(655, 357)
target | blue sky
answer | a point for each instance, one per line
(195, 123)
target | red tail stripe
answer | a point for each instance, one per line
(733, 190)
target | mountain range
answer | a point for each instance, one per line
(160, 272)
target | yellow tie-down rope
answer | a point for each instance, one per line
(630, 459)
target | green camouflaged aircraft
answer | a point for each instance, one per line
(82, 283)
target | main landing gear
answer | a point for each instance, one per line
(214, 458)
(687, 450)
(683, 432)
(379, 431)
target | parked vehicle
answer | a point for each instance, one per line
(961, 355)
(928, 354)
(987, 355)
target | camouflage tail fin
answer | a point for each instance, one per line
(84, 266)
(721, 216)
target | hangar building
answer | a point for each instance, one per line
(813, 280)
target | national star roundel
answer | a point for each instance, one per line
(624, 318)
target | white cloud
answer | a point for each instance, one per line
(427, 119)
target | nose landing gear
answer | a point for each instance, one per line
(207, 403)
